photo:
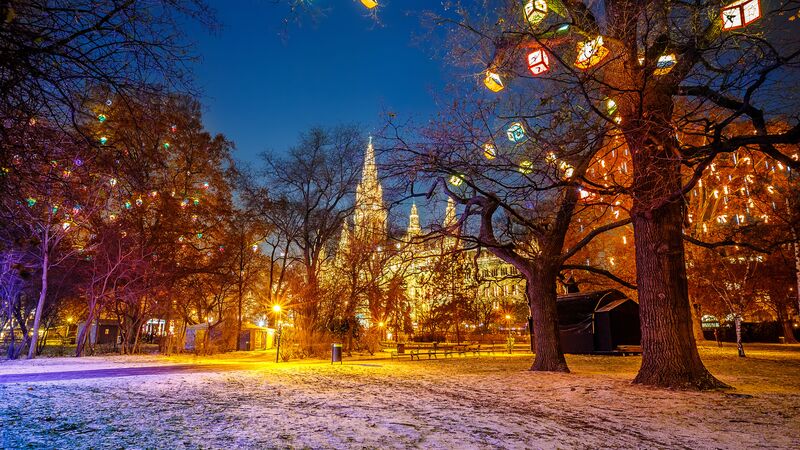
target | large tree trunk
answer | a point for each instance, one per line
(788, 333)
(42, 296)
(669, 352)
(542, 292)
(697, 323)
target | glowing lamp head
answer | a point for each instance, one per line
(112, 182)
(103, 140)
(31, 202)
(508, 317)
(611, 106)
(380, 324)
(101, 118)
(525, 167)
(276, 308)
(535, 11)
(538, 63)
(369, 4)
(254, 248)
(493, 81)
(740, 13)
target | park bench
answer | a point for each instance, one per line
(629, 350)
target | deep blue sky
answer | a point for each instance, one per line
(262, 87)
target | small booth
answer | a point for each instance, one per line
(597, 322)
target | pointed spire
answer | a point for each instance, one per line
(370, 215)
(413, 221)
(450, 213)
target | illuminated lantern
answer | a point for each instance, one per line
(205, 185)
(139, 201)
(590, 53)
(456, 180)
(493, 81)
(78, 162)
(112, 182)
(611, 106)
(112, 217)
(516, 133)
(173, 128)
(222, 249)
(538, 63)
(166, 145)
(103, 140)
(535, 11)
(65, 226)
(180, 239)
(369, 3)
(128, 205)
(525, 167)
(153, 194)
(185, 203)
(664, 64)
(196, 201)
(76, 209)
(101, 118)
(254, 247)
(489, 151)
(740, 13)
(31, 201)
(199, 235)
(66, 173)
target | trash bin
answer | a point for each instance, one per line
(336, 353)
(781, 340)
(401, 348)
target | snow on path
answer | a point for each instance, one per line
(457, 403)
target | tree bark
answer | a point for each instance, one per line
(542, 292)
(669, 352)
(788, 333)
(42, 296)
(697, 323)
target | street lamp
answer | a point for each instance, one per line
(508, 328)
(277, 310)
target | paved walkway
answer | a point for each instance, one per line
(117, 372)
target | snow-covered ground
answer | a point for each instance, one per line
(245, 401)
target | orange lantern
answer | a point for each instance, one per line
(493, 81)
(369, 3)
(590, 53)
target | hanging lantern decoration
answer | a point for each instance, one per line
(103, 140)
(664, 64)
(184, 203)
(166, 145)
(153, 194)
(112, 182)
(128, 204)
(199, 235)
(538, 62)
(173, 128)
(101, 118)
(516, 133)
(525, 167)
(456, 180)
(206, 185)
(31, 202)
(196, 201)
(590, 53)
(222, 249)
(65, 226)
(139, 201)
(254, 247)
(493, 81)
(489, 151)
(740, 13)
(611, 106)
(369, 4)
(76, 209)
(535, 11)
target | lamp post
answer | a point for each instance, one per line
(277, 310)
(508, 329)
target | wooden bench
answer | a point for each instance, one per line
(629, 350)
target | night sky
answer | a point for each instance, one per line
(263, 82)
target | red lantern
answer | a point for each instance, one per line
(538, 62)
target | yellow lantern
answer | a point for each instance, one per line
(664, 64)
(740, 13)
(535, 11)
(369, 3)
(590, 53)
(493, 81)
(456, 180)
(525, 167)
(489, 150)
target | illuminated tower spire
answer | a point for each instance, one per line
(450, 213)
(370, 215)
(413, 221)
